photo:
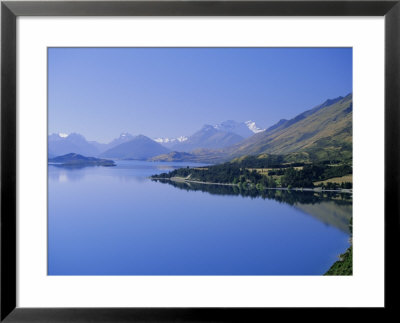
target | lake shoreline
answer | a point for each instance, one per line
(183, 180)
(168, 219)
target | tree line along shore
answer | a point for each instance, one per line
(336, 176)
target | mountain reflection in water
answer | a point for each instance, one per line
(332, 208)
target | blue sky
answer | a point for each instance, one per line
(169, 92)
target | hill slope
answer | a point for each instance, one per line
(323, 130)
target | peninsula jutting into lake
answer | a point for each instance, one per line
(229, 165)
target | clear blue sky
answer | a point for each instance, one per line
(168, 92)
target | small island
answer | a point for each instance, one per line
(76, 160)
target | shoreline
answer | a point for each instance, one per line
(183, 180)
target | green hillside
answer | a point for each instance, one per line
(324, 132)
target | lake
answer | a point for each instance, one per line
(116, 221)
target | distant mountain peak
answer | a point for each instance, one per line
(58, 135)
(62, 143)
(208, 127)
(139, 147)
(141, 137)
(62, 135)
(226, 124)
(244, 129)
(125, 135)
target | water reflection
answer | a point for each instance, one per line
(332, 208)
(125, 171)
(65, 174)
(116, 221)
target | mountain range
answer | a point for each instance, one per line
(126, 146)
(216, 136)
(208, 137)
(62, 144)
(243, 129)
(322, 132)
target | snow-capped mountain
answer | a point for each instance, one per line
(243, 129)
(208, 137)
(123, 137)
(61, 144)
(220, 135)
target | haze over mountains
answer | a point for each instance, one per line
(140, 147)
(217, 136)
(208, 137)
(123, 138)
(324, 131)
(221, 135)
(62, 144)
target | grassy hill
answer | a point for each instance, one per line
(321, 133)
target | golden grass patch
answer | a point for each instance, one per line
(338, 180)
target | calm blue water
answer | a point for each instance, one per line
(115, 221)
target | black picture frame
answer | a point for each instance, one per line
(10, 10)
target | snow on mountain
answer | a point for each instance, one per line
(57, 136)
(123, 137)
(253, 127)
(208, 137)
(62, 143)
(165, 140)
(244, 129)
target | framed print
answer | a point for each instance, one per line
(197, 161)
